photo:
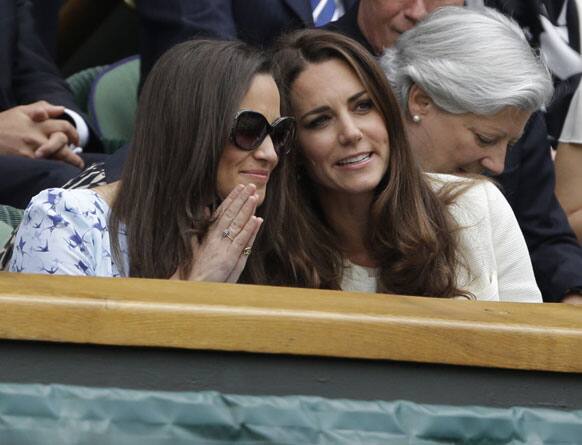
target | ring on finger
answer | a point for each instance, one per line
(247, 251)
(226, 234)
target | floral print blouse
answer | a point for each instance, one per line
(65, 232)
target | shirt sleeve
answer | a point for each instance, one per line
(514, 268)
(80, 125)
(60, 233)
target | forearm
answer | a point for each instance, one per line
(569, 183)
(575, 220)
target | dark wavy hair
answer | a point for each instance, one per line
(183, 121)
(411, 234)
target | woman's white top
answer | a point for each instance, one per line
(572, 130)
(498, 265)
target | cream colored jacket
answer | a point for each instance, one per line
(491, 245)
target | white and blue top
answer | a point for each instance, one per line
(65, 232)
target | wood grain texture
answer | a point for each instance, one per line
(139, 312)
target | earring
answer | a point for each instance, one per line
(416, 118)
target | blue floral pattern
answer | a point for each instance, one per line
(65, 232)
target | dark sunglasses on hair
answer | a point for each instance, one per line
(251, 128)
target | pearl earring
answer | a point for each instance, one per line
(416, 118)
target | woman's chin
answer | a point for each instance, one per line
(261, 193)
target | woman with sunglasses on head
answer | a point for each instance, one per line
(360, 215)
(208, 136)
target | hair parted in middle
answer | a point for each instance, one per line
(411, 235)
(169, 181)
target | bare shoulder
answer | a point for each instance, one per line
(108, 192)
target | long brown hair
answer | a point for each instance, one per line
(184, 117)
(411, 236)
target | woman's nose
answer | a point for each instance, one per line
(349, 133)
(494, 162)
(266, 151)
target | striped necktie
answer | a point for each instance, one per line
(323, 11)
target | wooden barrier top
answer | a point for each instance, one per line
(278, 320)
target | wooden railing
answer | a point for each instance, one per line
(274, 320)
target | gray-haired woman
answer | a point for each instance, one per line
(468, 82)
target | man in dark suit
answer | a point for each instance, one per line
(39, 120)
(528, 179)
(258, 22)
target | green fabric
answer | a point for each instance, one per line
(36, 414)
(5, 233)
(114, 102)
(112, 145)
(10, 215)
(80, 84)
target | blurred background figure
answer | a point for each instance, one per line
(258, 22)
(553, 27)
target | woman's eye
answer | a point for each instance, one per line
(364, 105)
(319, 121)
(482, 140)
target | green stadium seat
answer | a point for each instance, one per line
(112, 102)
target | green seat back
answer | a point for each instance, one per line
(9, 220)
(5, 232)
(80, 84)
(113, 102)
(10, 215)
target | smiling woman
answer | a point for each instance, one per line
(200, 163)
(360, 214)
(240, 162)
(348, 117)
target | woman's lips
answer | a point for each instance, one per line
(257, 175)
(356, 161)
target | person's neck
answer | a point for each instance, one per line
(421, 145)
(349, 218)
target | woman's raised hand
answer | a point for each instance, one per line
(223, 253)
